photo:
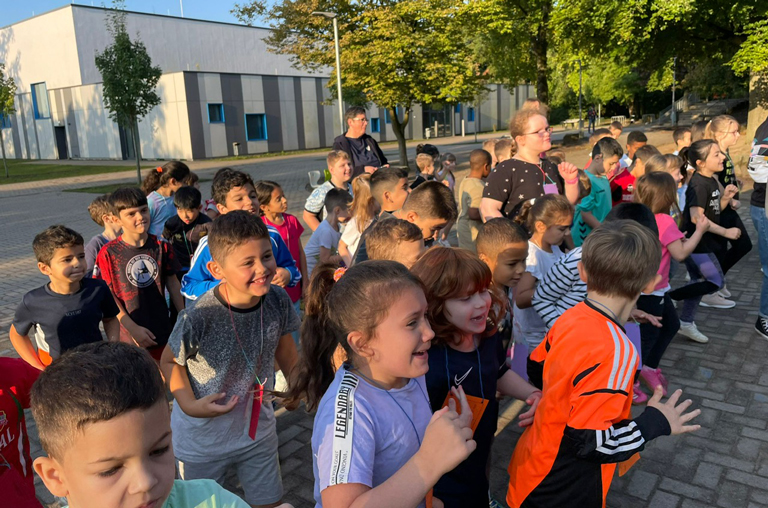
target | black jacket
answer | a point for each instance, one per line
(342, 143)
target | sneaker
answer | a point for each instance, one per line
(638, 396)
(716, 301)
(689, 330)
(762, 326)
(724, 292)
(653, 378)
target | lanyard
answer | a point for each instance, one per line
(479, 370)
(255, 371)
(544, 175)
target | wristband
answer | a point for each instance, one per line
(571, 182)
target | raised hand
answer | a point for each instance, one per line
(448, 438)
(282, 277)
(568, 171)
(730, 191)
(674, 412)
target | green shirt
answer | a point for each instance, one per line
(201, 494)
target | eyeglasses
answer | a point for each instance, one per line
(363, 120)
(541, 133)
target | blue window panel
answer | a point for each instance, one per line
(375, 125)
(5, 121)
(471, 114)
(457, 109)
(215, 113)
(387, 119)
(256, 127)
(40, 101)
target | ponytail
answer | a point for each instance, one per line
(547, 209)
(718, 124)
(698, 151)
(161, 175)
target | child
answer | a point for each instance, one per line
(65, 312)
(470, 196)
(323, 245)
(623, 182)
(445, 172)
(138, 268)
(426, 165)
(705, 197)
(548, 220)
(635, 140)
(101, 215)
(220, 359)
(234, 190)
(431, 206)
(159, 186)
(591, 210)
(340, 168)
(17, 483)
(615, 129)
(658, 191)
(272, 209)
(192, 180)
(583, 426)
(489, 145)
(363, 210)
(682, 138)
(396, 240)
(504, 150)
(104, 423)
(375, 438)
(185, 229)
(467, 352)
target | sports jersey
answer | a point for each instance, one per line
(623, 187)
(582, 426)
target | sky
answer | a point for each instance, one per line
(213, 10)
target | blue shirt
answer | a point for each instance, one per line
(199, 279)
(598, 203)
(160, 210)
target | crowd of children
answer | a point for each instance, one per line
(400, 344)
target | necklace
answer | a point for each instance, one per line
(613, 314)
(254, 371)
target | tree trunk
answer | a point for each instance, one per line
(540, 45)
(758, 102)
(136, 148)
(2, 147)
(399, 128)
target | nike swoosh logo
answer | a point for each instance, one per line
(458, 380)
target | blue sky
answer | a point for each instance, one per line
(215, 10)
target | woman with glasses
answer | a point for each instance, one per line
(527, 176)
(363, 150)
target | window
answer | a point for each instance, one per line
(215, 113)
(470, 114)
(5, 122)
(40, 101)
(457, 109)
(256, 127)
(375, 125)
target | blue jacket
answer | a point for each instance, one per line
(198, 279)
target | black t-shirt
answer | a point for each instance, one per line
(467, 485)
(705, 193)
(514, 181)
(728, 175)
(185, 237)
(62, 322)
(362, 155)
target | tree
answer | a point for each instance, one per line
(128, 79)
(7, 97)
(393, 53)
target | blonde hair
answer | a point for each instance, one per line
(335, 156)
(505, 149)
(663, 163)
(423, 160)
(518, 124)
(386, 235)
(717, 126)
(364, 206)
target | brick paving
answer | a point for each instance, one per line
(725, 464)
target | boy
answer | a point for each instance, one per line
(682, 138)
(396, 240)
(138, 268)
(65, 312)
(234, 190)
(103, 421)
(431, 206)
(591, 211)
(489, 145)
(221, 358)
(470, 195)
(101, 215)
(585, 368)
(389, 187)
(323, 245)
(504, 150)
(187, 227)
(340, 168)
(426, 165)
(615, 129)
(635, 140)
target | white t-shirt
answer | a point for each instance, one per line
(351, 235)
(324, 236)
(363, 434)
(528, 325)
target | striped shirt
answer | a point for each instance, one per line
(561, 288)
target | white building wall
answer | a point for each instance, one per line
(10, 149)
(98, 135)
(164, 132)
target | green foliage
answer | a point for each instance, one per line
(712, 77)
(7, 93)
(752, 56)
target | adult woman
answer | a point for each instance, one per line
(526, 176)
(363, 150)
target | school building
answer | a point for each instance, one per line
(221, 91)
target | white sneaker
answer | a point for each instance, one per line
(689, 330)
(716, 301)
(724, 292)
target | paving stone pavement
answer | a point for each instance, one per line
(725, 464)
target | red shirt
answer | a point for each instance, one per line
(290, 230)
(626, 182)
(16, 378)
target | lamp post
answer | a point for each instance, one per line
(581, 124)
(181, 6)
(332, 15)
(674, 76)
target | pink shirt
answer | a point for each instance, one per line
(290, 230)
(668, 233)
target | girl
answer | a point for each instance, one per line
(375, 441)
(362, 210)
(445, 172)
(272, 207)
(658, 191)
(705, 197)
(548, 220)
(467, 351)
(192, 180)
(668, 164)
(159, 186)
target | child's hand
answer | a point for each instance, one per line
(674, 412)
(733, 233)
(282, 277)
(735, 204)
(448, 438)
(730, 191)
(568, 171)
(142, 336)
(208, 408)
(526, 418)
(642, 317)
(702, 223)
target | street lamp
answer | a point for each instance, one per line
(674, 76)
(332, 15)
(581, 124)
